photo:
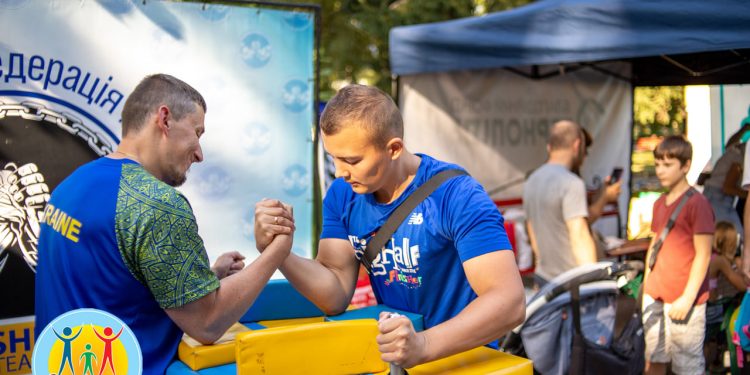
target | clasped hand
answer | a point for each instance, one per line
(272, 217)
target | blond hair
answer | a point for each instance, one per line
(725, 239)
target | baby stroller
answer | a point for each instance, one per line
(580, 323)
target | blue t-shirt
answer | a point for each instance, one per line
(420, 270)
(115, 238)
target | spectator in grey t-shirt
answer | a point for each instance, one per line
(554, 200)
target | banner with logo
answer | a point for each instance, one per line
(495, 122)
(66, 68)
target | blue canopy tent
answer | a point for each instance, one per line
(450, 68)
(667, 42)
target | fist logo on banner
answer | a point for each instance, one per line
(23, 195)
(42, 144)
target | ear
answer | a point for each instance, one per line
(577, 146)
(394, 147)
(686, 167)
(163, 116)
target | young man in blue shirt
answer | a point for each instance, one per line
(451, 261)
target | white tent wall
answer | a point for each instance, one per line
(495, 123)
(698, 128)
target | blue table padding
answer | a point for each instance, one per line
(179, 368)
(279, 300)
(220, 370)
(254, 326)
(373, 312)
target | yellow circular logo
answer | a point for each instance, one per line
(87, 342)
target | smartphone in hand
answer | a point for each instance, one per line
(616, 175)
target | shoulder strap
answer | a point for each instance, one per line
(402, 211)
(668, 227)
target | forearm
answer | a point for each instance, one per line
(532, 239)
(583, 247)
(485, 319)
(736, 279)
(732, 181)
(596, 208)
(236, 294)
(735, 191)
(581, 242)
(317, 283)
(697, 274)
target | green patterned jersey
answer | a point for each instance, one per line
(157, 236)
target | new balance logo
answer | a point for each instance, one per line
(416, 219)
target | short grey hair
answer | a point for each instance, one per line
(156, 90)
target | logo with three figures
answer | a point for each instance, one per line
(87, 342)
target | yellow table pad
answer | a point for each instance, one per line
(476, 361)
(311, 346)
(346, 347)
(198, 356)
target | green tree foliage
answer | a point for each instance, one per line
(489, 6)
(659, 111)
(354, 34)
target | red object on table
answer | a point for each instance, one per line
(363, 294)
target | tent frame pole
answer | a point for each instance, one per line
(563, 69)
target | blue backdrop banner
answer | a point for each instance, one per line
(66, 68)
